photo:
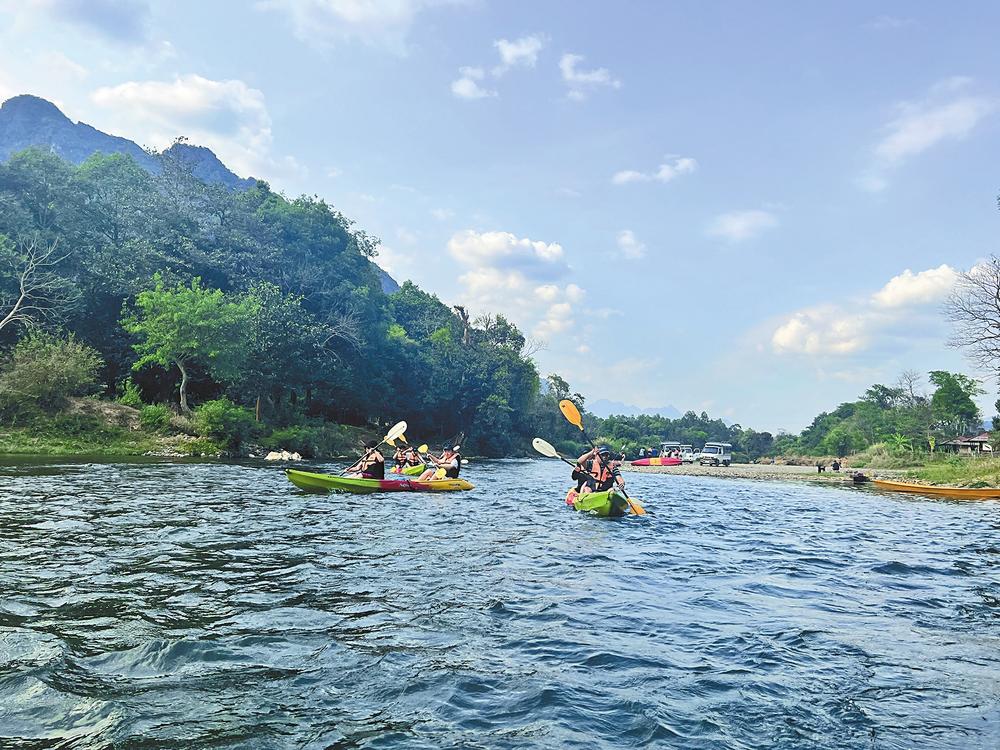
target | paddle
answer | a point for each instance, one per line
(394, 432)
(573, 416)
(545, 448)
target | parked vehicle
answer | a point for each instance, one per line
(688, 454)
(716, 453)
(667, 447)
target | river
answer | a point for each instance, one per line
(186, 605)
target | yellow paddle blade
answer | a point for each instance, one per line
(391, 442)
(636, 508)
(422, 448)
(572, 414)
(439, 474)
(403, 438)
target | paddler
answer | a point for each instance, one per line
(371, 465)
(450, 461)
(399, 458)
(603, 470)
(412, 457)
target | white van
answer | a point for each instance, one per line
(716, 453)
(688, 454)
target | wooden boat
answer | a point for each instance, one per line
(968, 493)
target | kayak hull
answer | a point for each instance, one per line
(968, 493)
(657, 461)
(604, 504)
(312, 482)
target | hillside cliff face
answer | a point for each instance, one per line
(27, 121)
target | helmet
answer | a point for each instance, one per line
(604, 451)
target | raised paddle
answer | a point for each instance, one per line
(394, 432)
(573, 416)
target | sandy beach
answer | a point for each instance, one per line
(769, 472)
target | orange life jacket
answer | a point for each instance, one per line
(600, 472)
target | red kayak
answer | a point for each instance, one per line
(657, 461)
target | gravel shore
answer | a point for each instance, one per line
(769, 472)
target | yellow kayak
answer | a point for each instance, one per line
(969, 493)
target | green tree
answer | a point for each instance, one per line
(952, 403)
(188, 325)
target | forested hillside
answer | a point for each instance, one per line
(267, 316)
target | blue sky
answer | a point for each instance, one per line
(753, 209)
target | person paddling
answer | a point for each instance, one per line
(412, 457)
(450, 461)
(399, 458)
(603, 470)
(371, 465)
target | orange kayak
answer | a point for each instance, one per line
(969, 493)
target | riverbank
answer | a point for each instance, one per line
(766, 472)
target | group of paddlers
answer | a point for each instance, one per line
(372, 464)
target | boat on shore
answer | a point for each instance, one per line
(657, 461)
(968, 493)
(311, 482)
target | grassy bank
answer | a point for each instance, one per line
(93, 427)
(931, 468)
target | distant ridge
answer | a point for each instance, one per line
(27, 121)
(604, 408)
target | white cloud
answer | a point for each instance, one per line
(518, 277)
(61, 67)
(380, 23)
(581, 82)
(851, 328)
(947, 113)
(925, 287)
(629, 247)
(227, 116)
(888, 23)
(521, 52)
(666, 172)
(442, 214)
(737, 226)
(467, 85)
(503, 250)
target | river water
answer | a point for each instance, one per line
(185, 605)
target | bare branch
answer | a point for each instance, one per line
(39, 292)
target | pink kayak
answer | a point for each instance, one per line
(657, 461)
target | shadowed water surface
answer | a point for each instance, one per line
(161, 605)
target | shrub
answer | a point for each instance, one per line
(156, 417)
(129, 394)
(44, 370)
(226, 422)
(312, 439)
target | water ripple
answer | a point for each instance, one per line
(177, 605)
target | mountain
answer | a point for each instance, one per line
(604, 408)
(28, 120)
(206, 166)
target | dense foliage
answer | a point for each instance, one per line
(193, 291)
(269, 315)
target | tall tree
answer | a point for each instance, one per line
(187, 325)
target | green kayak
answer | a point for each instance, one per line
(410, 471)
(312, 482)
(611, 503)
